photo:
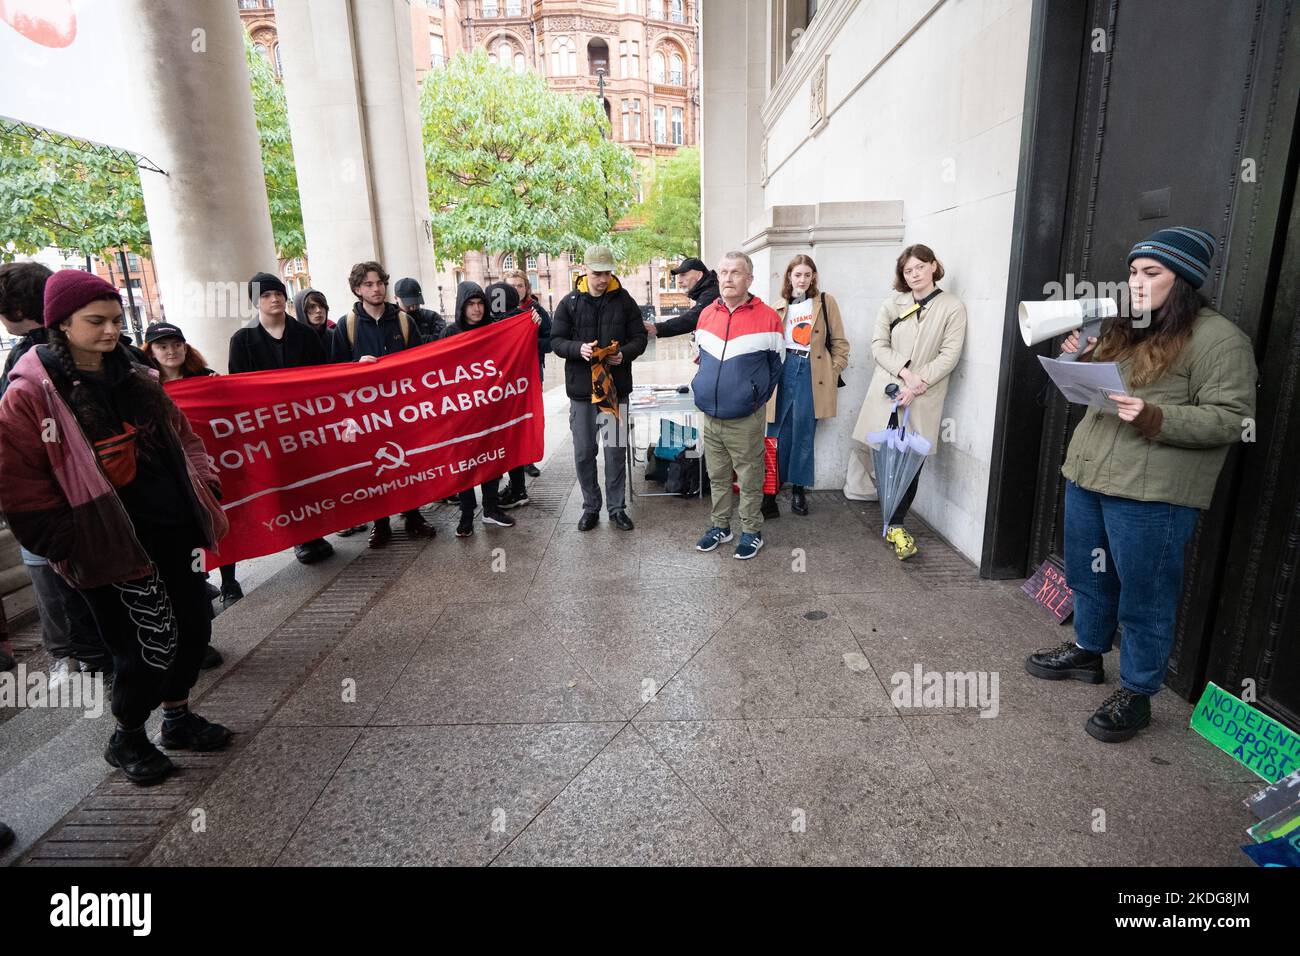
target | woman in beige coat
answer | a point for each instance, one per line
(816, 352)
(917, 342)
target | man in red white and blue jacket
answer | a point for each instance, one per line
(741, 346)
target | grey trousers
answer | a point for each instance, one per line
(590, 428)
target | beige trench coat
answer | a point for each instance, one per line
(829, 353)
(933, 343)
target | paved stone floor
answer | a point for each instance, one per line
(537, 695)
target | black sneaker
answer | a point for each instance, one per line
(498, 517)
(511, 500)
(1067, 661)
(192, 732)
(466, 527)
(532, 471)
(135, 756)
(1120, 716)
(211, 658)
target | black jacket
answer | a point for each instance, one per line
(702, 295)
(429, 322)
(37, 336)
(251, 352)
(543, 330)
(376, 338)
(581, 317)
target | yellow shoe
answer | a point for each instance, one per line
(904, 544)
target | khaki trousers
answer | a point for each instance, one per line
(736, 444)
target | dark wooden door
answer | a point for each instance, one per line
(1142, 114)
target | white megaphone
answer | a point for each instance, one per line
(1040, 321)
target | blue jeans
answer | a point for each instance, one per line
(796, 421)
(1124, 562)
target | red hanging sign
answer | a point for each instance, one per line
(308, 451)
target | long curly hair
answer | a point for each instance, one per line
(140, 394)
(1153, 348)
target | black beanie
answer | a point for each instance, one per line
(265, 282)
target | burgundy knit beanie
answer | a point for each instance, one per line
(69, 289)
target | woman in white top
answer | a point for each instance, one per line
(816, 352)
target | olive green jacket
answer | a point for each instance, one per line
(1175, 449)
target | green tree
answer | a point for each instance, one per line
(79, 200)
(669, 218)
(90, 201)
(514, 166)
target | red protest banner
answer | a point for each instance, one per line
(308, 451)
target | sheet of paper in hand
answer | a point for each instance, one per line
(1085, 383)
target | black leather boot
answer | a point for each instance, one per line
(770, 507)
(798, 503)
(140, 760)
(1066, 662)
(1120, 716)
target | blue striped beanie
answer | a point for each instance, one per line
(1185, 250)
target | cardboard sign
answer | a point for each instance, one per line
(1253, 739)
(1048, 589)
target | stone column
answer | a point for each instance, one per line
(735, 45)
(854, 245)
(349, 77)
(208, 216)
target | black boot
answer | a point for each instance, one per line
(798, 503)
(140, 760)
(381, 532)
(192, 732)
(1067, 661)
(211, 658)
(770, 507)
(1120, 716)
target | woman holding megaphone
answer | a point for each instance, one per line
(1139, 473)
(920, 331)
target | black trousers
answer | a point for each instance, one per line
(156, 628)
(517, 476)
(387, 521)
(905, 503)
(490, 498)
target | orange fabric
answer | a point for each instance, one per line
(603, 392)
(116, 455)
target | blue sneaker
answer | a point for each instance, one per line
(749, 544)
(712, 538)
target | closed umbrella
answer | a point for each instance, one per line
(897, 454)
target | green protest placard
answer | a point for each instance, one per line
(1254, 739)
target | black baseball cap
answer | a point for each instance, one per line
(690, 265)
(162, 330)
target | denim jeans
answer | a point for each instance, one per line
(1124, 562)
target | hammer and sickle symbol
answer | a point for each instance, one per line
(392, 459)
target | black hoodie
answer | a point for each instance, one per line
(300, 313)
(465, 292)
